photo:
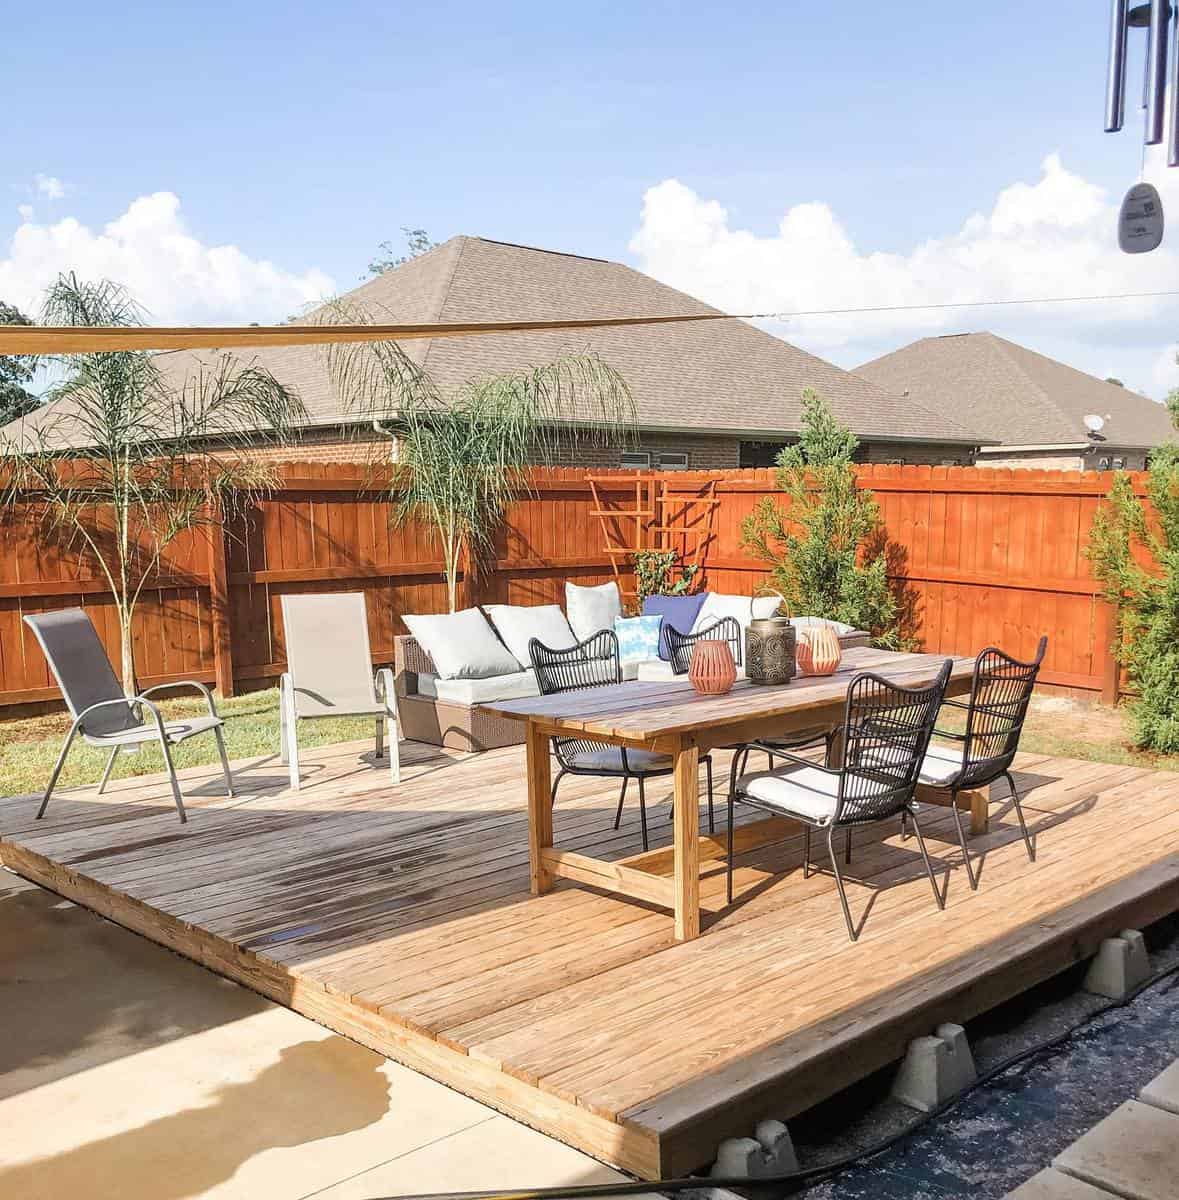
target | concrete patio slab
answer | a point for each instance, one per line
(1133, 1153)
(1163, 1090)
(1053, 1185)
(136, 1074)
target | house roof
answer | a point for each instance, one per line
(724, 376)
(1018, 397)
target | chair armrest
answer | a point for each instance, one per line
(410, 661)
(129, 701)
(386, 688)
(804, 762)
(190, 683)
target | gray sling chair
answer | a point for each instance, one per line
(999, 697)
(330, 673)
(885, 734)
(103, 715)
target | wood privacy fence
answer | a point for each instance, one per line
(983, 556)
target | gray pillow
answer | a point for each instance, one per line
(592, 609)
(462, 645)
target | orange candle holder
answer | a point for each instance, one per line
(712, 671)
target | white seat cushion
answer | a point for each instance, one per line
(518, 624)
(940, 765)
(463, 645)
(609, 758)
(796, 791)
(840, 628)
(655, 670)
(479, 691)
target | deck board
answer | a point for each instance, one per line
(402, 917)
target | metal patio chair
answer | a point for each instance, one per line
(999, 696)
(594, 663)
(885, 734)
(102, 713)
(330, 673)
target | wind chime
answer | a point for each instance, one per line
(1140, 222)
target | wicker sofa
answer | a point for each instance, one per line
(449, 712)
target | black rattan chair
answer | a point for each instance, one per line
(589, 664)
(728, 629)
(886, 731)
(995, 713)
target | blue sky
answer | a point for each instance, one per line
(303, 135)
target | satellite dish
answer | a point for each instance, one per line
(1140, 222)
(1094, 423)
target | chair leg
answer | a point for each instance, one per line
(708, 777)
(282, 725)
(729, 854)
(806, 852)
(621, 799)
(962, 841)
(770, 760)
(941, 903)
(553, 793)
(851, 929)
(643, 811)
(1023, 828)
(394, 738)
(847, 845)
(904, 825)
(106, 774)
(57, 770)
(220, 736)
(167, 749)
(380, 738)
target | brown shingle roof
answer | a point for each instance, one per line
(726, 376)
(1018, 397)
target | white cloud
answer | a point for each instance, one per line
(50, 186)
(149, 250)
(1052, 237)
(25, 211)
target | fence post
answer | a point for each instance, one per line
(219, 604)
(1111, 669)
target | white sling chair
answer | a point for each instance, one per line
(330, 673)
(102, 714)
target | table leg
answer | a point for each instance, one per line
(540, 807)
(687, 843)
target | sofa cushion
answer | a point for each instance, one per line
(592, 609)
(638, 638)
(463, 645)
(518, 624)
(479, 691)
(655, 670)
(840, 628)
(678, 611)
(717, 606)
(765, 606)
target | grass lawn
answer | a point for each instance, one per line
(29, 746)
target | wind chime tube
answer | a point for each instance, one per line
(1156, 71)
(1173, 132)
(1115, 81)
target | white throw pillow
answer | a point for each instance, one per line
(462, 645)
(716, 606)
(765, 606)
(592, 609)
(840, 628)
(518, 624)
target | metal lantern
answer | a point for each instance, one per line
(770, 644)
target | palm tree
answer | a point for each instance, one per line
(466, 454)
(157, 458)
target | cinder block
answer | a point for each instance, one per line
(1134, 1152)
(1119, 966)
(1163, 1090)
(935, 1069)
(771, 1152)
(1052, 1185)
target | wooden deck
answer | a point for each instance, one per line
(402, 918)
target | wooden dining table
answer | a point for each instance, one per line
(669, 717)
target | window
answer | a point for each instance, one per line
(636, 459)
(677, 461)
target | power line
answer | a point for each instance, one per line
(884, 308)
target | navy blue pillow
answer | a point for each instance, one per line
(680, 612)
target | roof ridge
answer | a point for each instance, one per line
(536, 249)
(445, 284)
(1001, 345)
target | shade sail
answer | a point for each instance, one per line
(41, 339)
